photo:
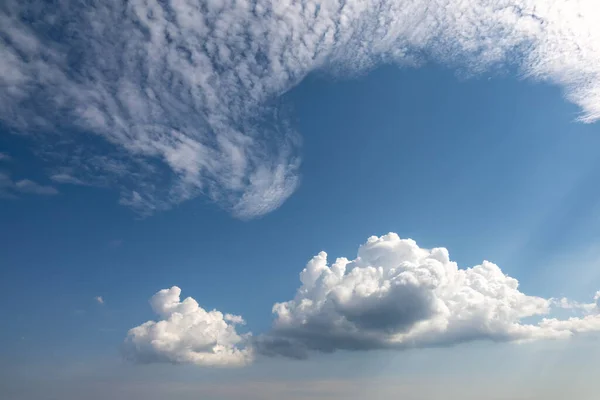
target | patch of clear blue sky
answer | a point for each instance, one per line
(493, 169)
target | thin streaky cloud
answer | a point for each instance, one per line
(29, 186)
(11, 189)
(66, 179)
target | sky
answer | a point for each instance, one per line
(303, 200)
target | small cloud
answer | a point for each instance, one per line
(9, 188)
(99, 299)
(31, 187)
(66, 179)
(187, 334)
(5, 157)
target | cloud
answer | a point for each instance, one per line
(10, 188)
(99, 299)
(396, 295)
(187, 334)
(181, 93)
(65, 178)
(5, 157)
(28, 186)
(574, 305)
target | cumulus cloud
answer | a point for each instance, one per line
(99, 299)
(393, 295)
(568, 304)
(11, 189)
(186, 333)
(396, 295)
(181, 91)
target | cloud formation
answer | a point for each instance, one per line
(393, 295)
(187, 334)
(11, 189)
(397, 295)
(183, 92)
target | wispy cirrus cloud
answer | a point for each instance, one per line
(181, 92)
(394, 295)
(65, 178)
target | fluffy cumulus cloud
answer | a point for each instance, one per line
(187, 334)
(397, 295)
(177, 97)
(393, 295)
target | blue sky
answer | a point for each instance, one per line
(462, 152)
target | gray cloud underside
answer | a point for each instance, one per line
(182, 91)
(393, 295)
(396, 295)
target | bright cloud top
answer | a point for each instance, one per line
(393, 295)
(398, 295)
(183, 90)
(187, 334)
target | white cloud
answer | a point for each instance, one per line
(393, 295)
(186, 83)
(29, 186)
(10, 188)
(66, 179)
(590, 308)
(397, 295)
(99, 299)
(188, 334)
